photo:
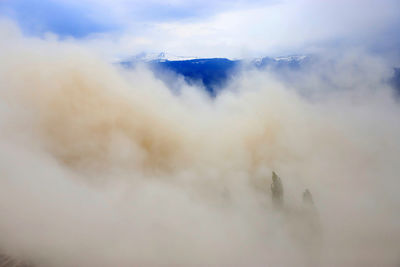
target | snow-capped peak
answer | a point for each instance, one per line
(163, 56)
(290, 58)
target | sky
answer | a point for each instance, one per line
(233, 29)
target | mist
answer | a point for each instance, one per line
(102, 166)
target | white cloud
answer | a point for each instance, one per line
(272, 28)
(240, 28)
(286, 26)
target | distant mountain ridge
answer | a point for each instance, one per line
(395, 80)
(215, 73)
(162, 56)
(212, 73)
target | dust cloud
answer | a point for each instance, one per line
(100, 166)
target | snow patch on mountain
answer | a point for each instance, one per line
(161, 57)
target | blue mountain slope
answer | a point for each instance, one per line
(395, 80)
(282, 63)
(215, 73)
(212, 73)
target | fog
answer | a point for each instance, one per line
(101, 166)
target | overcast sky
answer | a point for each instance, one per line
(207, 28)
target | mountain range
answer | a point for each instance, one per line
(214, 73)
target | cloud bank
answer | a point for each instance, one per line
(106, 167)
(214, 28)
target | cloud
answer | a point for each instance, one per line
(216, 29)
(82, 18)
(286, 27)
(104, 167)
